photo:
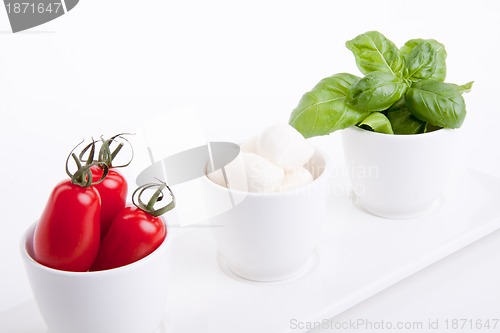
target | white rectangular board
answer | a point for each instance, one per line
(358, 256)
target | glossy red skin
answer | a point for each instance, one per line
(132, 236)
(113, 191)
(67, 235)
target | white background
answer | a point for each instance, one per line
(107, 66)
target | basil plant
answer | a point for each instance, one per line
(402, 91)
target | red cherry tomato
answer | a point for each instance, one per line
(67, 235)
(113, 193)
(133, 235)
(136, 231)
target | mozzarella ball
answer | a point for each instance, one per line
(250, 145)
(233, 175)
(262, 175)
(294, 179)
(284, 146)
(250, 173)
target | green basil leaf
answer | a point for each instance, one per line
(403, 122)
(431, 128)
(438, 103)
(377, 91)
(377, 122)
(464, 88)
(323, 109)
(424, 59)
(374, 52)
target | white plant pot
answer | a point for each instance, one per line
(271, 236)
(398, 176)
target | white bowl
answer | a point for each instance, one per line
(127, 299)
(398, 176)
(271, 236)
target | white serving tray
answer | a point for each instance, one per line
(358, 256)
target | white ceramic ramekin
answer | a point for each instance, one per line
(128, 299)
(271, 236)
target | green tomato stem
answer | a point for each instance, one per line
(156, 197)
(105, 155)
(83, 175)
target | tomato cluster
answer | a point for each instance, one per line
(86, 224)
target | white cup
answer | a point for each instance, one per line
(271, 236)
(398, 176)
(127, 299)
